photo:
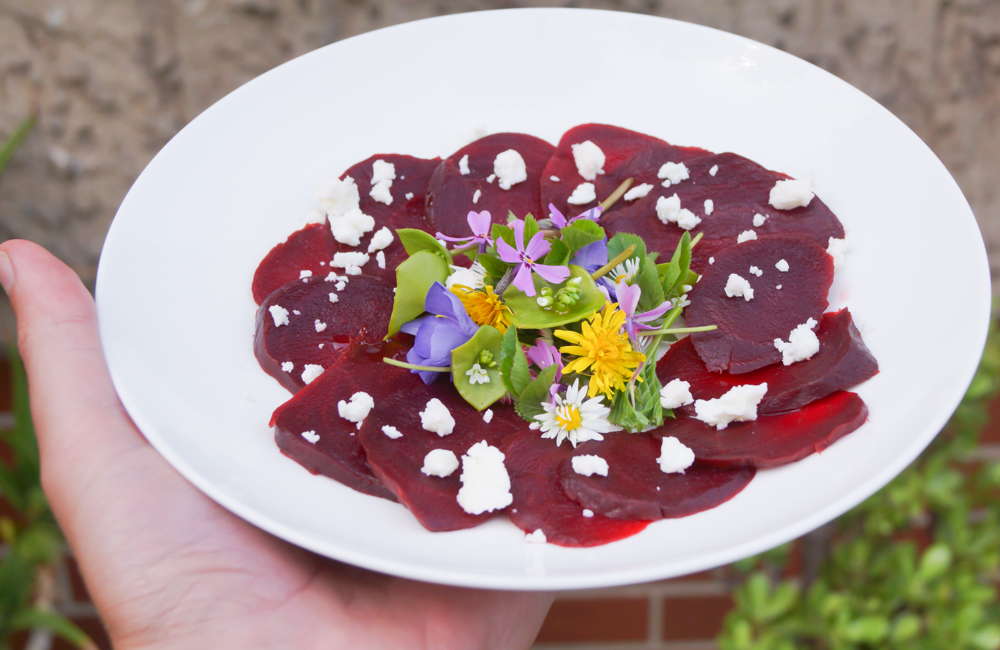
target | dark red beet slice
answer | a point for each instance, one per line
(541, 503)
(397, 462)
(337, 453)
(842, 361)
(744, 340)
(740, 189)
(636, 488)
(771, 440)
(361, 313)
(628, 154)
(450, 193)
(309, 249)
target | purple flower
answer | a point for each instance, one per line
(544, 354)
(592, 257)
(560, 222)
(447, 327)
(525, 256)
(479, 224)
(628, 299)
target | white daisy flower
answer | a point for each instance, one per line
(477, 375)
(626, 271)
(574, 418)
(472, 277)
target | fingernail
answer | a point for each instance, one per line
(6, 272)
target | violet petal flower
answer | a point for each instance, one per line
(448, 327)
(628, 300)
(592, 256)
(479, 224)
(544, 354)
(525, 256)
(559, 219)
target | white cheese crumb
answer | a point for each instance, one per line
(296, 312)
(437, 418)
(409, 195)
(711, 260)
(279, 314)
(509, 167)
(476, 195)
(340, 285)
(673, 173)
(350, 261)
(675, 456)
(338, 197)
(590, 465)
(357, 409)
(488, 416)
(439, 462)
(759, 219)
(782, 266)
(778, 287)
(738, 405)
(756, 271)
(381, 192)
(537, 537)
(675, 394)
(349, 228)
(836, 249)
(802, 343)
(789, 194)
(463, 165)
(391, 431)
(714, 170)
(380, 240)
(709, 207)
(305, 274)
(380, 258)
(554, 179)
(687, 219)
(737, 286)
(491, 178)
(319, 325)
(589, 160)
(485, 482)
(638, 192)
(588, 513)
(287, 366)
(668, 210)
(746, 235)
(584, 193)
(311, 437)
(383, 171)
(311, 372)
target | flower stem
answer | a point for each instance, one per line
(504, 282)
(412, 366)
(617, 194)
(679, 330)
(697, 238)
(619, 258)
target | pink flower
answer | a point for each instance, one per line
(628, 300)
(525, 256)
(560, 222)
(479, 224)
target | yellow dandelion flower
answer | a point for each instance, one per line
(603, 351)
(483, 306)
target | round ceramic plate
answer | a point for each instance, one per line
(177, 318)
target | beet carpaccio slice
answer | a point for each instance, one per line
(636, 488)
(771, 440)
(451, 195)
(317, 328)
(336, 452)
(842, 361)
(744, 340)
(309, 249)
(398, 461)
(540, 503)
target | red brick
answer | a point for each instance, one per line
(694, 617)
(597, 619)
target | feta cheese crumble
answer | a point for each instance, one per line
(590, 465)
(463, 165)
(437, 418)
(338, 197)
(380, 240)
(351, 262)
(509, 167)
(311, 372)
(588, 513)
(357, 409)
(782, 266)
(349, 228)
(491, 177)
(554, 179)
(802, 343)
(383, 171)
(320, 326)
(759, 219)
(279, 314)
(476, 195)
(391, 432)
(311, 437)
(836, 249)
(409, 195)
(287, 366)
(746, 235)
(488, 416)
(789, 194)
(675, 394)
(709, 207)
(638, 192)
(305, 274)
(584, 193)
(737, 286)
(714, 170)
(381, 192)
(756, 271)
(537, 537)
(673, 173)
(675, 456)
(380, 259)
(439, 462)
(589, 160)
(738, 405)
(485, 482)
(711, 260)
(668, 210)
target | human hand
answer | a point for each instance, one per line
(169, 568)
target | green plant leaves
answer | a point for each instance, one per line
(514, 363)
(414, 241)
(527, 314)
(414, 278)
(529, 404)
(465, 356)
(580, 233)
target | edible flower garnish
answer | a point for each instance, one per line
(525, 257)
(479, 224)
(573, 418)
(560, 221)
(626, 271)
(446, 328)
(628, 300)
(484, 306)
(603, 351)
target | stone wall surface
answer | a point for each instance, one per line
(113, 80)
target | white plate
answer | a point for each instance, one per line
(177, 316)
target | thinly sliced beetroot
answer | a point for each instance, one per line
(397, 462)
(739, 190)
(541, 503)
(450, 194)
(337, 453)
(628, 154)
(309, 249)
(842, 361)
(361, 313)
(744, 340)
(771, 440)
(636, 488)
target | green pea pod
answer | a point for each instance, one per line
(465, 356)
(414, 278)
(414, 241)
(526, 313)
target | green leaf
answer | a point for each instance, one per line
(529, 404)
(580, 233)
(55, 622)
(935, 561)
(40, 543)
(11, 144)
(558, 255)
(649, 282)
(514, 363)
(907, 626)
(414, 278)
(465, 356)
(495, 267)
(505, 233)
(647, 410)
(867, 629)
(530, 228)
(622, 240)
(527, 314)
(676, 273)
(414, 241)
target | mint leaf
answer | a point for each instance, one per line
(623, 240)
(530, 228)
(558, 255)
(581, 233)
(505, 233)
